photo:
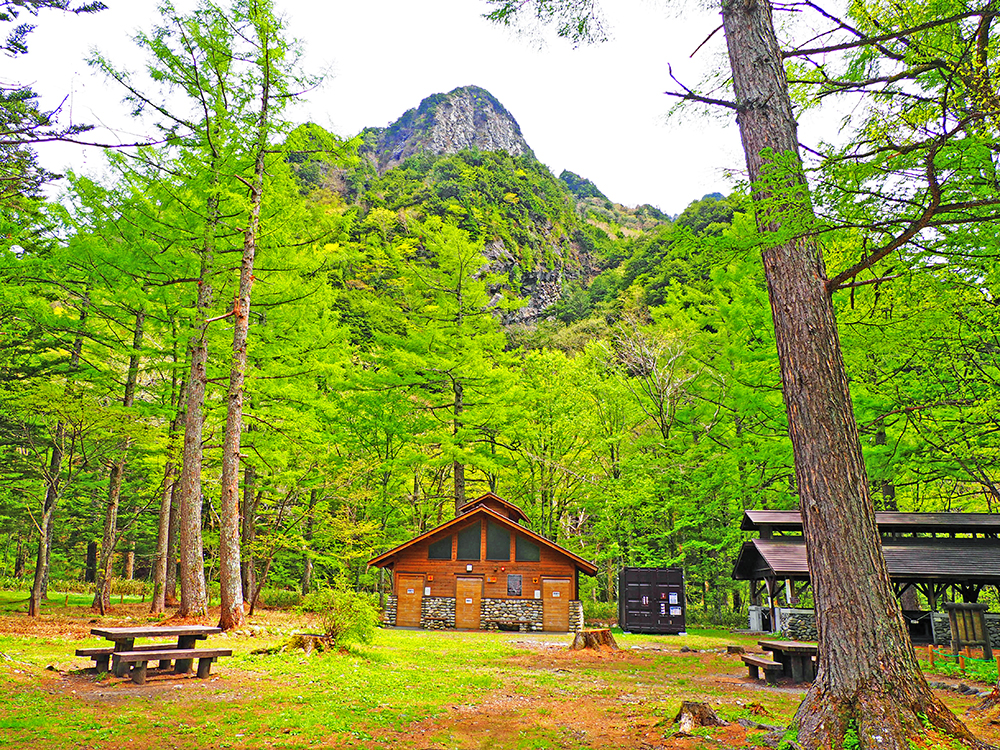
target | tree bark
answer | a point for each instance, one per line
(102, 589)
(248, 570)
(307, 536)
(458, 468)
(194, 600)
(173, 544)
(164, 553)
(868, 677)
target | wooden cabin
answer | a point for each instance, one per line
(482, 570)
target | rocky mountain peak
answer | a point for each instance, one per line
(468, 117)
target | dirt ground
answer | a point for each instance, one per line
(549, 697)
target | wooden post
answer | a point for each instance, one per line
(961, 664)
(930, 654)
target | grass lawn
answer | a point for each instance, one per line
(407, 689)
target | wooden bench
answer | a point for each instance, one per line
(516, 624)
(756, 662)
(181, 656)
(102, 655)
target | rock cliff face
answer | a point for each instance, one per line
(465, 118)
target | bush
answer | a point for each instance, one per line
(279, 599)
(605, 612)
(347, 616)
(724, 618)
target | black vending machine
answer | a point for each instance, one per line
(651, 600)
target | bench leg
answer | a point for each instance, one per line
(102, 663)
(798, 667)
(165, 663)
(204, 666)
(771, 675)
(118, 667)
(139, 673)
(754, 672)
(182, 666)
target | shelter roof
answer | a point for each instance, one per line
(388, 558)
(888, 522)
(959, 561)
(490, 499)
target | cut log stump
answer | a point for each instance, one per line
(310, 642)
(693, 715)
(735, 650)
(594, 639)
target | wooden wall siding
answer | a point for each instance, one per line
(555, 604)
(441, 574)
(408, 597)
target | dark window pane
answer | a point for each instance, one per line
(497, 542)
(513, 585)
(469, 542)
(440, 550)
(527, 550)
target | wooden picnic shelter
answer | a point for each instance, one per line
(941, 555)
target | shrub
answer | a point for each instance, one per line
(279, 598)
(347, 616)
(605, 612)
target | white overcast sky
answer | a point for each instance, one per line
(597, 111)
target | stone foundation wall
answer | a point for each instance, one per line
(525, 615)
(575, 616)
(437, 612)
(798, 624)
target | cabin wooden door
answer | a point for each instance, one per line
(468, 603)
(556, 593)
(409, 594)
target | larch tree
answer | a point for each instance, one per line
(868, 682)
(271, 59)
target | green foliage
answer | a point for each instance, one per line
(580, 186)
(348, 616)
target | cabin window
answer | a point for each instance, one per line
(469, 542)
(497, 542)
(526, 550)
(440, 550)
(513, 585)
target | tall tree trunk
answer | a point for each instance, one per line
(307, 537)
(52, 489)
(194, 601)
(232, 614)
(173, 548)
(164, 552)
(248, 571)
(458, 468)
(102, 589)
(868, 677)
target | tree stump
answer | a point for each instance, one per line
(735, 650)
(694, 714)
(309, 642)
(594, 639)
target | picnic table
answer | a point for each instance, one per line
(181, 650)
(796, 658)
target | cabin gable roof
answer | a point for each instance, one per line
(387, 558)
